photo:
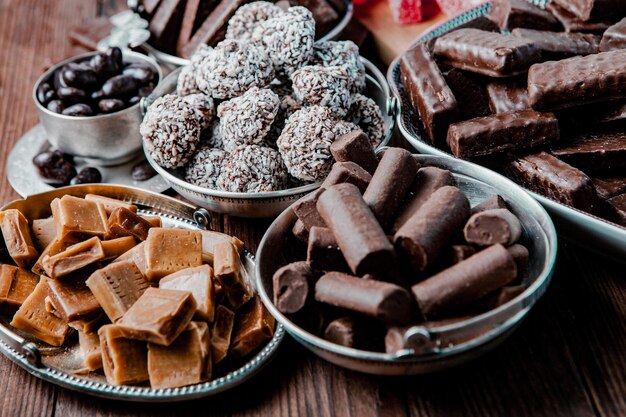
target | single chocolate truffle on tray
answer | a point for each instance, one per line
(288, 39)
(171, 131)
(253, 169)
(305, 142)
(365, 113)
(343, 53)
(323, 86)
(186, 83)
(248, 17)
(233, 67)
(205, 167)
(247, 119)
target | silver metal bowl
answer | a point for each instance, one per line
(443, 346)
(264, 204)
(333, 34)
(59, 365)
(105, 139)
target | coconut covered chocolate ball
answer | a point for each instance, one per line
(171, 130)
(345, 54)
(365, 113)
(205, 167)
(305, 142)
(248, 17)
(323, 86)
(246, 120)
(204, 105)
(196, 59)
(186, 83)
(288, 39)
(232, 68)
(253, 169)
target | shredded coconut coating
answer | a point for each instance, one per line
(365, 113)
(204, 105)
(171, 131)
(232, 68)
(205, 167)
(288, 39)
(323, 86)
(196, 59)
(253, 169)
(248, 17)
(186, 83)
(342, 53)
(305, 142)
(246, 120)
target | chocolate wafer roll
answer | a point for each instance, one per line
(323, 253)
(390, 183)
(426, 182)
(348, 172)
(382, 300)
(576, 81)
(291, 286)
(306, 210)
(493, 226)
(355, 147)
(466, 281)
(360, 237)
(420, 240)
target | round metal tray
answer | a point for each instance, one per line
(60, 368)
(608, 238)
(443, 346)
(25, 179)
(264, 204)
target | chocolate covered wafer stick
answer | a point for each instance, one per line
(347, 172)
(355, 147)
(291, 286)
(323, 253)
(614, 37)
(493, 226)
(559, 45)
(495, 202)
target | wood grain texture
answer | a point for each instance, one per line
(568, 358)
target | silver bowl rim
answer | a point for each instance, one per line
(331, 35)
(52, 69)
(542, 281)
(376, 77)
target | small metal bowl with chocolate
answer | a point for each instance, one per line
(408, 265)
(89, 104)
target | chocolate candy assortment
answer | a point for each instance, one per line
(538, 94)
(146, 304)
(259, 111)
(179, 27)
(398, 247)
(101, 84)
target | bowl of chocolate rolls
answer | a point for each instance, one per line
(534, 91)
(405, 264)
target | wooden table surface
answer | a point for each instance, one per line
(568, 358)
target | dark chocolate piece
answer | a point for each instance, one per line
(291, 286)
(618, 206)
(469, 90)
(382, 300)
(614, 37)
(510, 14)
(586, 10)
(306, 210)
(572, 23)
(341, 331)
(608, 187)
(486, 53)
(495, 202)
(347, 172)
(165, 24)
(465, 282)
(508, 95)
(421, 239)
(390, 183)
(428, 92)
(555, 179)
(501, 132)
(595, 151)
(355, 147)
(360, 237)
(555, 46)
(323, 253)
(493, 226)
(426, 182)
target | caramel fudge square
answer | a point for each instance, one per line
(171, 250)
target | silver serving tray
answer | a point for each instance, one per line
(264, 204)
(25, 179)
(445, 346)
(582, 228)
(59, 365)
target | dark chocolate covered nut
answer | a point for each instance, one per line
(54, 167)
(560, 45)
(140, 72)
(341, 331)
(508, 95)
(87, 175)
(119, 85)
(390, 183)
(56, 106)
(114, 60)
(291, 286)
(493, 226)
(45, 93)
(306, 210)
(323, 253)
(78, 110)
(382, 300)
(347, 172)
(614, 37)
(79, 75)
(495, 202)
(421, 239)
(355, 147)
(110, 105)
(142, 171)
(71, 94)
(520, 256)
(465, 282)
(426, 182)
(362, 240)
